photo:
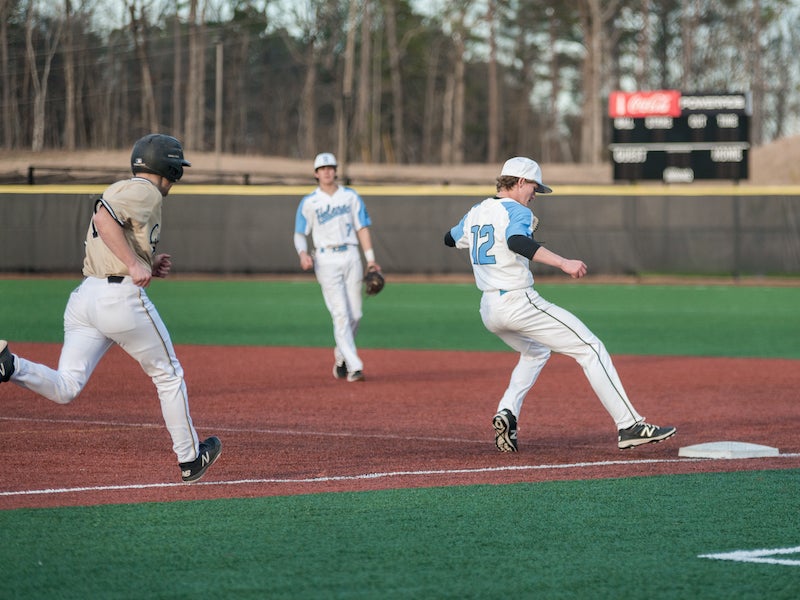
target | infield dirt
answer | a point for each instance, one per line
(422, 419)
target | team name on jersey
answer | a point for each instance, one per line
(331, 212)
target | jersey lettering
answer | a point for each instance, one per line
(331, 212)
(482, 244)
(155, 236)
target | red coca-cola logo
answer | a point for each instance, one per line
(660, 103)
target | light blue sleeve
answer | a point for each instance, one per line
(458, 230)
(362, 215)
(300, 222)
(520, 219)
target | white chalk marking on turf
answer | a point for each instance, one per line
(758, 556)
(358, 477)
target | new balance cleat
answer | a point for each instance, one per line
(340, 370)
(505, 431)
(355, 376)
(6, 362)
(643, 433)
(210, 449)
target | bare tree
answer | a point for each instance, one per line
(690, 13)
(10, 111)
(149, 114)
(756, 67)
(51, 41)
(69, 78)
(493, 108)
(361, 116)
(377, 92)
(594, 16)
(395, 77)
(432, 109)
(315, 21)
(644, 48)
(448, 120)
(195, 96)
(346, 106)
(555, 146)
(459, 96)
(459, 22)
(177, 77)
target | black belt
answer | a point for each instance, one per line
(115, 279)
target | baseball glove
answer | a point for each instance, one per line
(374, 282)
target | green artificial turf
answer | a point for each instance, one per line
(573, 539)
(690, 320)
(570, 539)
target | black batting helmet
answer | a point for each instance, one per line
(160, 154)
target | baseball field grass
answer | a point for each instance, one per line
(681, 320)
(641, 536)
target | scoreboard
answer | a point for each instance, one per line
(679, 138)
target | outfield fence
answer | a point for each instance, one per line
(622, 230)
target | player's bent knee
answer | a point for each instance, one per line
(65, 397)
(67, 391)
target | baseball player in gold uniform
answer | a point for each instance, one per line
(111, 306)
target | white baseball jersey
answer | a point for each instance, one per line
(485, 230)
(517, 314)
(332, 220)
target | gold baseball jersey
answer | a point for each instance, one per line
(136, 205)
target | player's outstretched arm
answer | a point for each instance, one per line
(572, 267)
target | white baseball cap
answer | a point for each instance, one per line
(325, 159)
(525, 168)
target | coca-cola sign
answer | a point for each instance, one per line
(659, 103)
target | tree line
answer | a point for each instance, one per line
(379, 81)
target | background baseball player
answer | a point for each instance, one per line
(337, 220)
(499, 235)
(111, 305)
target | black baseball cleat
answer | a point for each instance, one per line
(6, 362)
(210, 449)
(340, 370)
(643, 433)
(505, 431)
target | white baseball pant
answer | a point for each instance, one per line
(534, 327)
(98, 314)
(340, 273)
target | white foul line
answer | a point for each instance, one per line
(358, 477)
(758, 556)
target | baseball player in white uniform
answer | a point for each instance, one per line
(336, 219)
(498, 232)
(111, 306)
